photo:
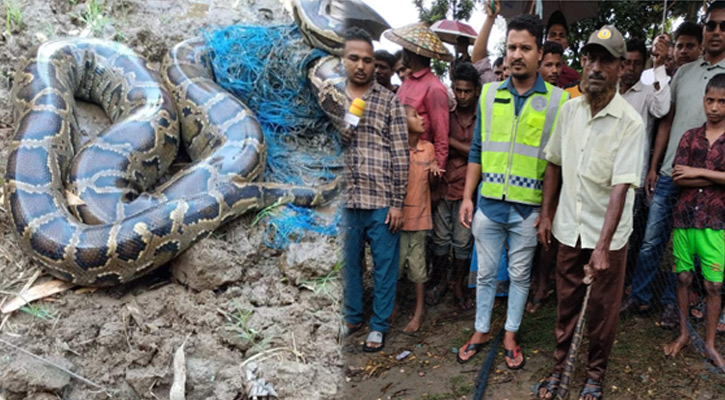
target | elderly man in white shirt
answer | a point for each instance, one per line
(595, 162)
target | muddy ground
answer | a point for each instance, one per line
(637, 367)
(234, 298)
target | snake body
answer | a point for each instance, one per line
(81, 207)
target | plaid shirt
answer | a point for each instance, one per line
(376, 153)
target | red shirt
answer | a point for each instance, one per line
(454, 179)
(701, 207)
(568, 75)
(417, 207)
(425, 92)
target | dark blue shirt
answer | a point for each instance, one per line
(498, 210)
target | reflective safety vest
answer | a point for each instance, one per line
(512, 148)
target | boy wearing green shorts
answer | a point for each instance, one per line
(699, 215)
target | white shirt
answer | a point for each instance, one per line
(651, 104)
(595, 153)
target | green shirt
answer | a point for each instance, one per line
(688, 89)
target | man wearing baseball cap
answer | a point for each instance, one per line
(594, 163)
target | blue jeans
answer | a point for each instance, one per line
(656, 236)
(385, 248)
(490, 237)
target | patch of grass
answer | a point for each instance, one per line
(537, 329)
(461, 338)
(460, 386)
(327, 285)
(239, 320)
(13, 15)
(39, 311)
(94, 18)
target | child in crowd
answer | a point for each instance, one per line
(699, 215)
(417, 218)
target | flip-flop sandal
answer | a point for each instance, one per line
(374, 337)
(512, 355)
(551, 384)
(595, 389)
(475, 347)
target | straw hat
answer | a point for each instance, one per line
(419, 39)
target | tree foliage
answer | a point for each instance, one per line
(635, 19)
(459, 10)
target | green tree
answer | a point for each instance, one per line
(635, 19)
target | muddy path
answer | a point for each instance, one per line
(637, 366)
(234, 298)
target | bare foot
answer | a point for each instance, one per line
(673, 348)
(715, 357)
(414, 324)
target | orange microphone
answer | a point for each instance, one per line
(355, 112)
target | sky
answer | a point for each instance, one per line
(402, 12)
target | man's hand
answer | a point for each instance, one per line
(543, 231)
(650, 182)
(465, 213)
(599, 261)
(496, 8)
(660, 48)
(685, 172)
(394, 220)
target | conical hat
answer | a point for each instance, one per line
(419, 39)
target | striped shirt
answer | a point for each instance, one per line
(376, 153)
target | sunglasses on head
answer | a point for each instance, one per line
(710, 25)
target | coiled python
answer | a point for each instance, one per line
(80, 206)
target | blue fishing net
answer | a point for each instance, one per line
(266, 67)
(292, 222)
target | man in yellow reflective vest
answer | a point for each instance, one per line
(514, 120)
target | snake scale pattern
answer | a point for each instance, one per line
(81, 206)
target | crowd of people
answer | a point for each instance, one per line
(532, 170)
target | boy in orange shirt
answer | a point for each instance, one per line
(417, 212)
